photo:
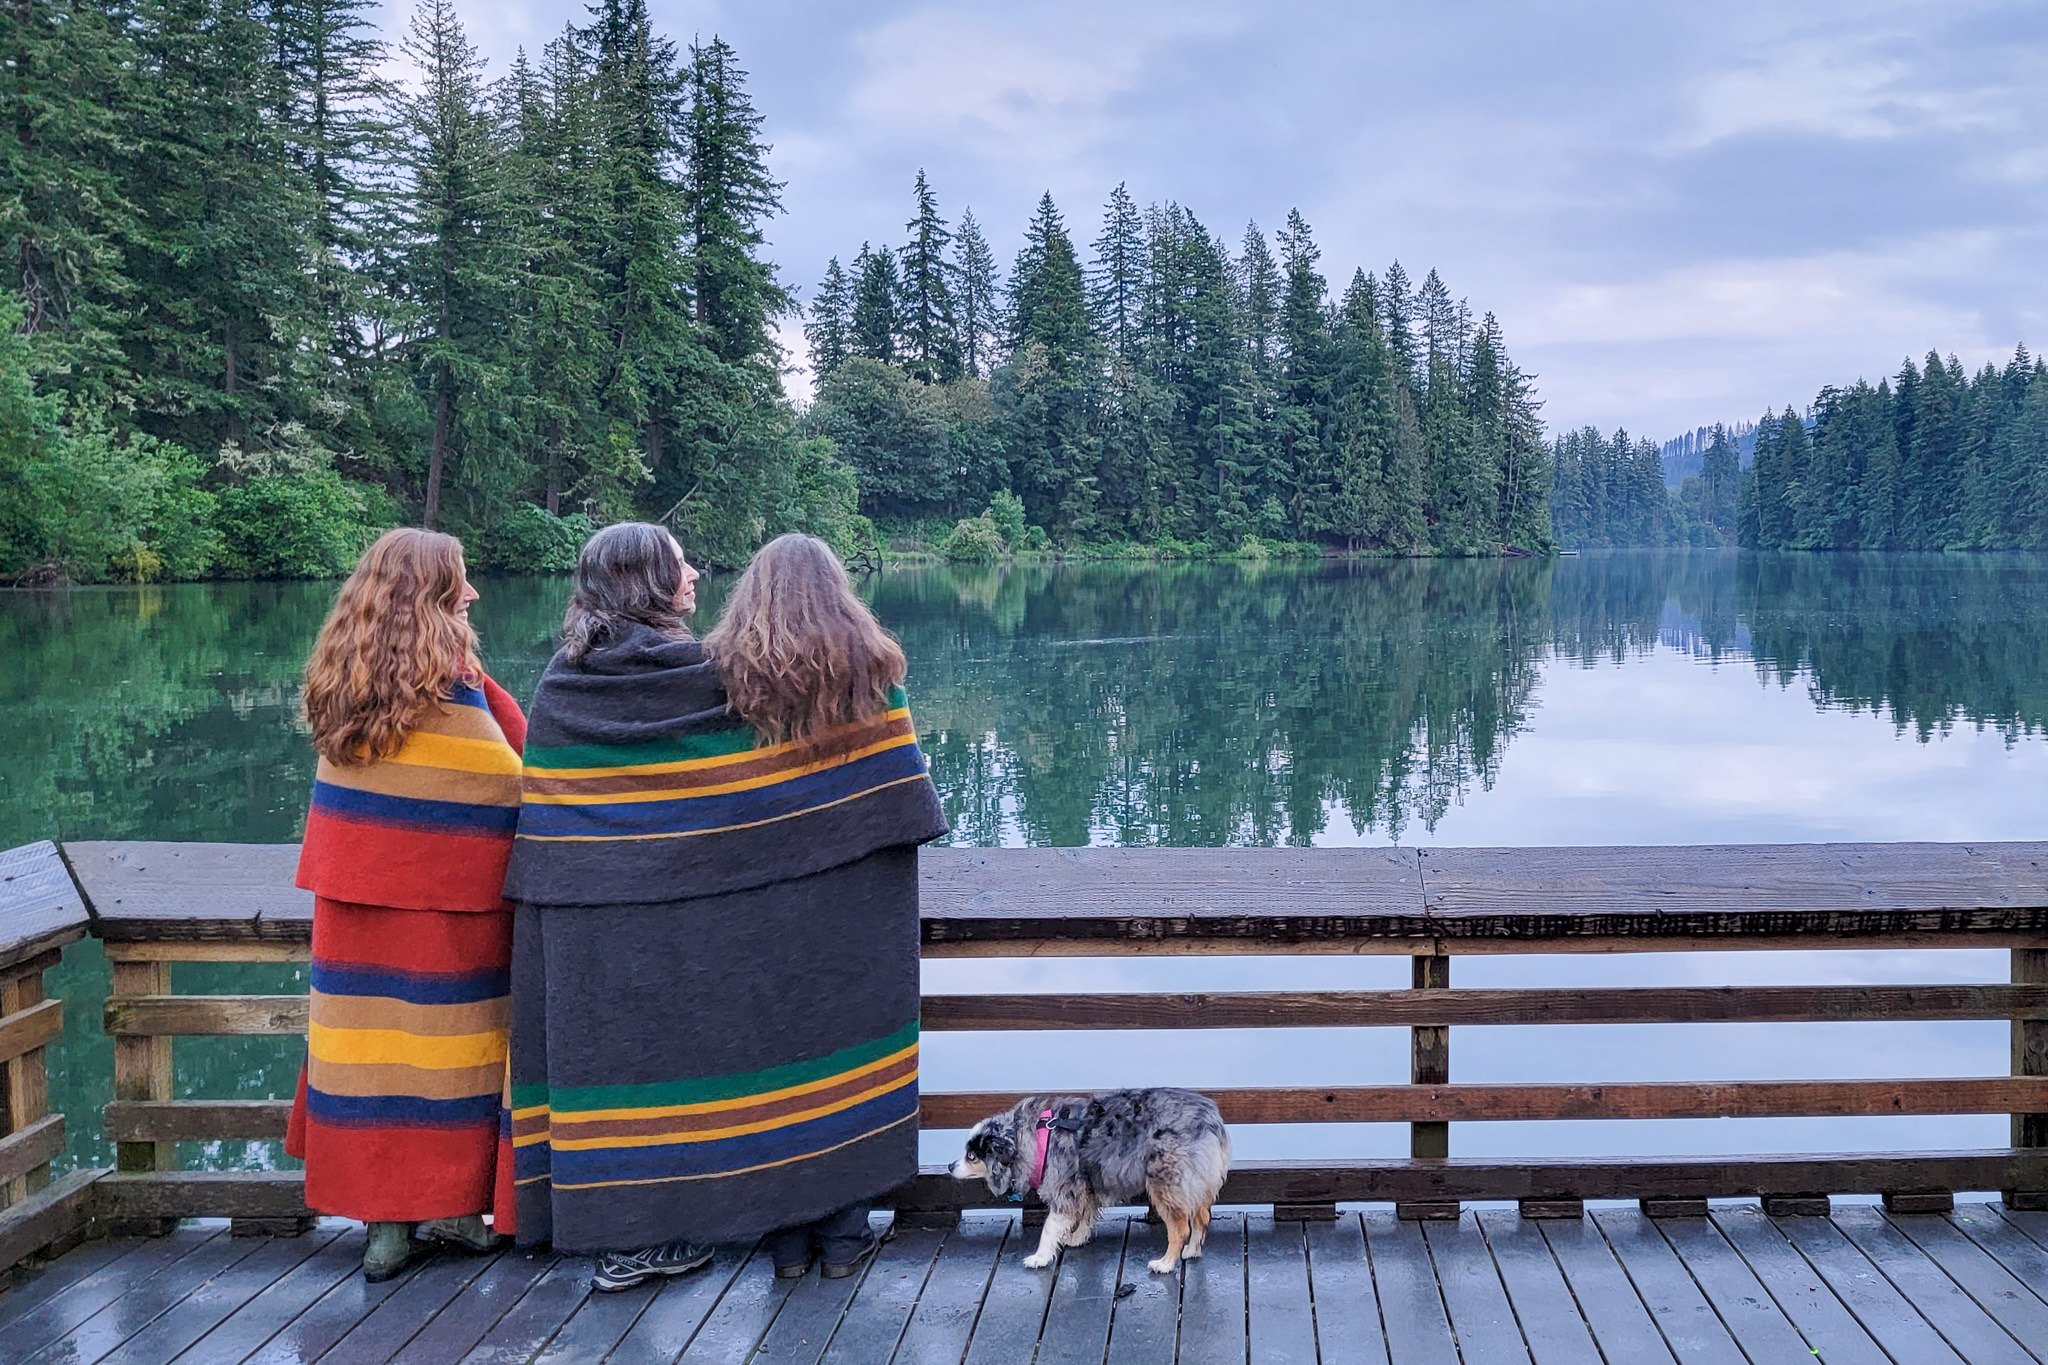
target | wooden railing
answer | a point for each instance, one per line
(160, 905)
(40, 912)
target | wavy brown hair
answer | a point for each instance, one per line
(799, 653)
(391, 647)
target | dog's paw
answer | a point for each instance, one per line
(1078, 1237)
(1162, 1266)
(1038, 1260)
(1191, 1254)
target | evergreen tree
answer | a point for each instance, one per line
(876, 328)
(1720, 484)
(830, 329)
(930, 343)
(455, 263)
(731, 197)
(1116, 282)
(65, 213)
(980, 321)
(1304, 477)
(1048, 390)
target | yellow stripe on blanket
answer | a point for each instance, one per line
(562, 1144)
(424, 749)
(745, 784)
(389, 1047)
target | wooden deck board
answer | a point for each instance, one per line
(1691, 1327)
(1144, 1325)
(1860, 1288)
(1828, 1327)
(1745, 1307)
(947, 1310)
(1974, 1333)
(1347, 1308)
(1552, 1328)
(1619, 1321)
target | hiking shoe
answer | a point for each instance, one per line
(624, 1269)
(839, 1270)
(468, 1233)
(388, 1250)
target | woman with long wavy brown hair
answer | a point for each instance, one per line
(715, 974)
(414, 804)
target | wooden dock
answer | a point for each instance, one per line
(1450, 1258)
(1489, 1289)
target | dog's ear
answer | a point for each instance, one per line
(1001, 1147)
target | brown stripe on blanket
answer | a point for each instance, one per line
(390, 1078)
(403, 1016)
(789, 761)
(568, 1128)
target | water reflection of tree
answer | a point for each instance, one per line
(1206, 705)
(1927, 641)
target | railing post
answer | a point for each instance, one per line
(32, 1137)
(1429, 1064)
(142, 1071)
(2029, 1058)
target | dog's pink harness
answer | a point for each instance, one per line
(1044, 1144)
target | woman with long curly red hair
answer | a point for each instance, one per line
(414, 804)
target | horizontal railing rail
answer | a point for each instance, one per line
(157, 906)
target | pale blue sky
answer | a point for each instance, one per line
(1680, 212)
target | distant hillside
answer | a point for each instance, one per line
(1682, 454)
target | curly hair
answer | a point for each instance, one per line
(798, 652)
(391, 647)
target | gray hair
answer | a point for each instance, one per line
(629, 572)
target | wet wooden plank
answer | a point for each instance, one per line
(1212, 1297)
(208, 1305)
(1976, 1336)
(1144, 1325)
(1895, 1324)
(331, 1317)
(1805, 1298)
(246, 1329)
(939, 1329)
(1347, 1308)
(743, 1315)
(1483, 1006)
(1411, 1308)
(1012, 1306)
(1614, 1312)
(456, 1326)
(874, 1322)
(1076, 1330)
(40, 907)
(406, 1304)
(2020, 1255)
(59, 1313)
(1745, 1306)
(192, 892)
(541, 1312)
(1477, 1301)
(810, 1315)
(1552, 1329)
(1991, 1286)
(1690, 1326)
(140, 1305)
(32, 1287)
(1279, 1310)
(666, 1316)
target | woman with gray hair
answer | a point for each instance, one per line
(715, 953)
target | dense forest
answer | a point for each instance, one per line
(1932, 459)
(261, 302)
(1168, 390)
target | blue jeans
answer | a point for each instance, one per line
(839, 1237)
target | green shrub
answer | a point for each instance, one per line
(534, 540)
(974, 540)
(309, 525)
(1006, 510)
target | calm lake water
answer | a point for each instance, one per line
(1598, 699)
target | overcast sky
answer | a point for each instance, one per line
(1681, 212)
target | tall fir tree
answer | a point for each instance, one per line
(1116, 280)
(975, 288)
(876, 325)
(830, 327)
(930, 340)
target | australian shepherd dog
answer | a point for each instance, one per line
(1082, 1154)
